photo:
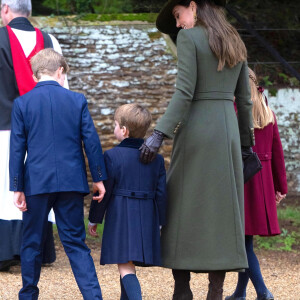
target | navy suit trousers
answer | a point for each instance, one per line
(68, 208)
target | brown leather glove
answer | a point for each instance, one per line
(151, 146)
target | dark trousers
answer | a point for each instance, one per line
(68, 209)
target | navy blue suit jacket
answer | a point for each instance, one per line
(50, 123)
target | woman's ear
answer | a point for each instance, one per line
(193, 5)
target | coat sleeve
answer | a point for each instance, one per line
(97, 210)
(18, 148)
(185, 86)
(161, 194)
(92, 145)
(278, 165)
(244, 107)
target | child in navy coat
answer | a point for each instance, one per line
(134, 204)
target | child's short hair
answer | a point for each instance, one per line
(134, 117)
(46, 62)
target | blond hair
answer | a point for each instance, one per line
(46, 62)
(261, 112)
(135, 118)
(223, 38)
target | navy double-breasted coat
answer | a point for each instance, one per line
(134, 206)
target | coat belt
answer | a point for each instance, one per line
(213, 96)
(264, 156)
(134, 194)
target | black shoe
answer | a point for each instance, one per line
(266, 296)
(183, 296)
(232, 297)
(5, 265)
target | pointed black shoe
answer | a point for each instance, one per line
(234, 298)
(266, 296)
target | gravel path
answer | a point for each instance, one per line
(281, 271)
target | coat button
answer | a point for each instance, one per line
(266, 155)
(132, 193)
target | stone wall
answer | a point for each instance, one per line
(113, 65)
(286, 105)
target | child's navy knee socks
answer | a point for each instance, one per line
(132, 287)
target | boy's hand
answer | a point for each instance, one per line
(93, 229)
(98, 187)
(20, 201)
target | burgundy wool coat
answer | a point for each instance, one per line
(260, 202)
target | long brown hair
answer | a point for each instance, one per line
(261, 112)
(223, 39)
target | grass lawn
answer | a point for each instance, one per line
(289, 239)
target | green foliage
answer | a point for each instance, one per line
(266, 81)
(290, 213)
(269, 84)
(273, 91)
(147, 5)
(285, 241)
(112, 6)
(154, 35)
(69, 6)
(292, 81)
(99, 6)
(284, 77)
(119, 17)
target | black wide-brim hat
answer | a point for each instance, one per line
(166, 22)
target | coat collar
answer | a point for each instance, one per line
(21, 23)
(47, 82)
(131, 143)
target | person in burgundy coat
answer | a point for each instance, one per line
(262, 192)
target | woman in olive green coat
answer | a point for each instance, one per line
(205, 225)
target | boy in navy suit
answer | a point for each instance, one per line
(134, 203)
(50, 123)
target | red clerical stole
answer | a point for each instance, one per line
(21, 63)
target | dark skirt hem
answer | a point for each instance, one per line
(136, 263)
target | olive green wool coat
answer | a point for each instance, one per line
(205, 225)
